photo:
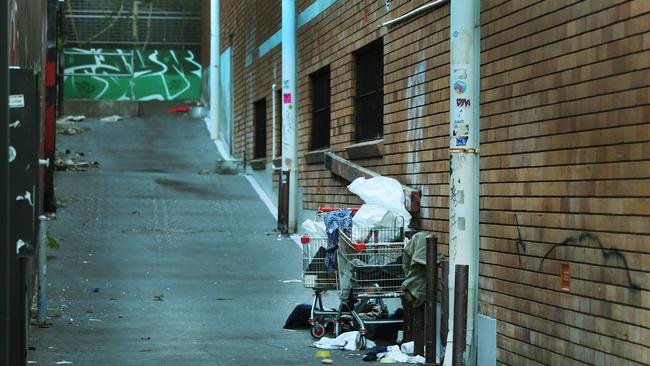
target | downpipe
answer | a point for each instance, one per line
(42, 269)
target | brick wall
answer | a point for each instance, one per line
(564, 179)
(565, 160)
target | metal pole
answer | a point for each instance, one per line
(289, 105)
(444, 294)
(407, 334)
(464, 150)
(215, 70)
(430, 316)
(418, 329)
(460, 316)
(5, 251)
(42, 269)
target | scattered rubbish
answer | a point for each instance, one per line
(96, 290)
(52, 243)
(299, 318)
(135, 212)
(204, 172)
(292, 281)
(223, 298)
(94, 320)
(323, 354)
(394, 354)
(183, 109)
(71, 165)
(327, 361)
(347, 341)
(63, 363)
(145, 350)
(81, 154)
(113, 118)
(159, 297)
(147, 338)
(78, 118)
(90, 311)
(31, 362)
(31, 348)
(113, 299)
(71, 131)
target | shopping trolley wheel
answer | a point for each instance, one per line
(317, 330)
(361, 341)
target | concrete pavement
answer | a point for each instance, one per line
(163, 264)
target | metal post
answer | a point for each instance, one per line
(464, 150)
(460, 316)
(444, 302)
(284, 191)
(418, 329)
(215, 70)
(5, 252)
(289, 105)
(42, 269)
(408, 321)
(431, 304)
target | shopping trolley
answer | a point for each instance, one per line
(370, 270)
(317, 277)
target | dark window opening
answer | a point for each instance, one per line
(320, 124)
(259, 147)
(369, 100)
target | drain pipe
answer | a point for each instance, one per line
(464, 151)
(215, 72)
(289, 109)
(42, 269)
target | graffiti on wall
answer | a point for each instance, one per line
(116, 74)
(611, 255)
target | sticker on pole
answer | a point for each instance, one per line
(17, 101)
(287, 98)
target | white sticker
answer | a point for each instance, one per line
(12, 154)
(16, 101)
(26, 197)
(14, 125)
(20, 244)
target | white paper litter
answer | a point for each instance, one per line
(396, 354)
(346, 341)
(113, 118)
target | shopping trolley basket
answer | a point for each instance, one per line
(370, 269)
(317, 277)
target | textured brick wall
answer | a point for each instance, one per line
(565, 160)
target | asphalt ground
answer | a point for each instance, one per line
(164, 262)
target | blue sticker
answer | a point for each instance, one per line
(461, 141)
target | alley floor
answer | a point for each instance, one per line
(162, 261)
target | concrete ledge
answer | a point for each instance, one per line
(366, 149)
(100, 108)
(316, 156)
(258, 164)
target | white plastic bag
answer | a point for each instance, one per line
(371, 216)
(384, 192)
(314, 229)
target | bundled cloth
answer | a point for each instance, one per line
(335, 220)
